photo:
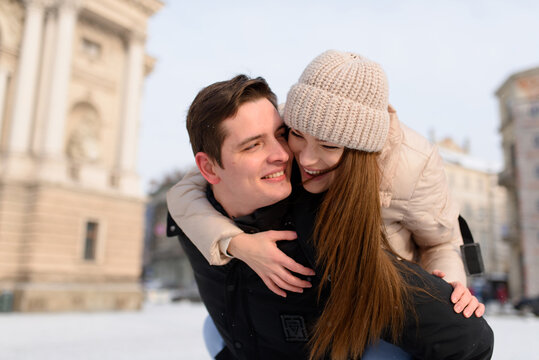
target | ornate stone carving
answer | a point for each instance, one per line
(84, 143)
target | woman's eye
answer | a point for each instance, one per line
(330, 147)
(295, 134)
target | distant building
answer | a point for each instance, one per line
(482, 202)
(519, 112)
(71, 207)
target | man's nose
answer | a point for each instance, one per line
(278, 153)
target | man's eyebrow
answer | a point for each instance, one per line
(259, 136)
(249, 139)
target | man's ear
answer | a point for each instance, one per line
(207, 167)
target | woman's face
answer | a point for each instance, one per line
(314, 157)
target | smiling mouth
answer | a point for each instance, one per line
(316, 172)
(274, 175)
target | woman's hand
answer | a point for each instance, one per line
(463, 298)
(261, 253)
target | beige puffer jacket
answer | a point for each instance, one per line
(420, 217)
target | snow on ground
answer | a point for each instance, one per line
(168, 331)
(173, 331)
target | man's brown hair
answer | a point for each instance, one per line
(217, 102)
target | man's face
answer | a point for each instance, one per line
(256, 160)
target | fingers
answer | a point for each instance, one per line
(271, 285)
(284, 285)
(286, 261)
(291, 265)
(465, 300)
(480, 311)
(438, 273)
(458, 291)
(278, 235)
(270, 263)
(293, 280)
(277, 282)
(471, 307)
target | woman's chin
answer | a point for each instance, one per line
(315, 187)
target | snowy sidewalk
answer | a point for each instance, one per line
(173, 331)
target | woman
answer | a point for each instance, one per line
(339, 120)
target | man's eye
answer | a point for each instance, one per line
(251, 147)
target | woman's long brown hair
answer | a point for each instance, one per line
(367, 295)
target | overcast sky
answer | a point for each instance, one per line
(444, 60)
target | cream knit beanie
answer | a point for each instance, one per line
(341, 98)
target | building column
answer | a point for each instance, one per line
(4, 78)
(45, 81)
(61, 72)
(128, 132)
(53, 168)
(25, 87)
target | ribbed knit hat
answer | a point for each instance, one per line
(342, 98)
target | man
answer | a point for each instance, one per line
(239, 143)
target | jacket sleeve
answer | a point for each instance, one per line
(432, 330)
(432, 218)
(208, 229)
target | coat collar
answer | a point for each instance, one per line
(262, 219)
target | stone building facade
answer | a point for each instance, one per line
(71, 206)
(519, 113)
